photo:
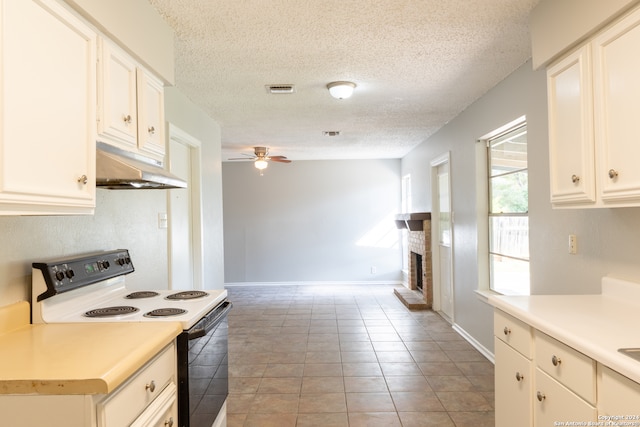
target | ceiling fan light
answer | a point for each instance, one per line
(341, 90)
(260, 164)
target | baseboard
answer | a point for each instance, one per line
(316, 283)
(482, 349)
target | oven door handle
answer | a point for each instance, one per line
(209, 321)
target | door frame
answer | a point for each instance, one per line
(195, 180)
(435, 233)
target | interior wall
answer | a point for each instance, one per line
(180, 111)
(312, 221)
(607, 238)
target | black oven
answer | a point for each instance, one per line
(203, 372)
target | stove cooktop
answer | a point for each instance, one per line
(92, 288)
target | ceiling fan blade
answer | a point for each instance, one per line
(280, 159)
(241, 158)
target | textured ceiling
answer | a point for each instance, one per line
(416, 63)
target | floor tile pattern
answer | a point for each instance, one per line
(349, 356)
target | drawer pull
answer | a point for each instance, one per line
(555, 360)
(506, 330)
(126, 119)
(613, 174)
(540, 396)
(169, 423)
(151, 386)
(575, 179)
(83, 179)
(519, 377)
(151, 130)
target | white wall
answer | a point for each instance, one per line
(312, 221)
(181, 112)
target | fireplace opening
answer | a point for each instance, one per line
(416, 270)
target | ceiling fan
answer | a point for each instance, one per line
(261, 158)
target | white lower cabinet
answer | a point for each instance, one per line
(618, 395)
(148, 398)
(555, 403)
(515, 380)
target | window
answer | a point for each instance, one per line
(508, 212)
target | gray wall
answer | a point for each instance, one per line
(607, 238)
(312, 221)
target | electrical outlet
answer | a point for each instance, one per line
(573, 244)
(374, 270)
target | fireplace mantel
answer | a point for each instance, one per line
(412, 221)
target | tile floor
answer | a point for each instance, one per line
(349, 356)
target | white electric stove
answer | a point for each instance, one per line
(91, 288)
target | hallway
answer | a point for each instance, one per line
(349, 355)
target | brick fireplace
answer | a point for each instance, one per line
(419, 278)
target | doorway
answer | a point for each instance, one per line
(442, 236)
(185, 213)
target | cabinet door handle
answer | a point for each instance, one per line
(575, 179)
(83, 179)
(151, 130)
(127, 118)
(151, 386)
(506, 330)
(169, 423)
(540, 396)
(519, 377)
(613, 173)
(555, 360)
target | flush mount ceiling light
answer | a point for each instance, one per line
(341, 90)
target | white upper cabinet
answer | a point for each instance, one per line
(130, 103)
(594, 99)
(47, 111)
(617, 108)
(150, 115)
(571, 138)
(117, 109)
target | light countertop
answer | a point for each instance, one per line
(78, 358)
(595, 325)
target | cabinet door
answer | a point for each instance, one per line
(618, 395)
(571, 134)
(150, 115)
(555, 403)
(513, 386)
(117, 118)
(48, 83)
(617, 103)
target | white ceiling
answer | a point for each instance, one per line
(417, 64)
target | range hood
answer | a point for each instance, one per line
(118, 169)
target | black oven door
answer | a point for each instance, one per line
(203, 369)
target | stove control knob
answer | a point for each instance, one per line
(120, 261)
(59, 276)
(127, 260)
(70, 274)
(104, 265)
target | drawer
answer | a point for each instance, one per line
(513, 332)
(570, 367)
(130, 400)
(554, 403)
(617, 394)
